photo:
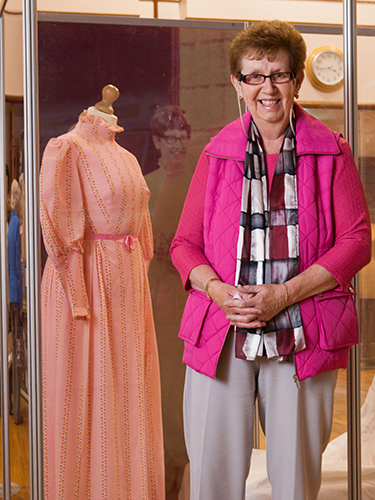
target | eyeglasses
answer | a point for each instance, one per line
(258, 79)
(172, 139)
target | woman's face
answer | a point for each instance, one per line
(269, 103)
(171, 143)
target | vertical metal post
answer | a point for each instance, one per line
(4, 291)
(31, 126)
(350, 73)
(353, 371)
(354, 426)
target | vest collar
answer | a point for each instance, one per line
(312, 138)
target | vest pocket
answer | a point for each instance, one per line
(193, 317)
(337, 320)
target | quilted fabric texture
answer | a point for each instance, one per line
(337, 319)
(195, 313)
(204, 326)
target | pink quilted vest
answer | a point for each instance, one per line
(330, 321)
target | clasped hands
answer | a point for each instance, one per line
(249, 306)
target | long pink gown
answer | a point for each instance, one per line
(101, 388)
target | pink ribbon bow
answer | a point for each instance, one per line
(128, 242)
(128, 239)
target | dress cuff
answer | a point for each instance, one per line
(81, 312)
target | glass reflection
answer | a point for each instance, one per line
(167, 155)
(180, 77)
(366, 312)
(17, 313)
(168, 184)
(366, 153)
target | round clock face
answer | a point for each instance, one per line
(325, 68)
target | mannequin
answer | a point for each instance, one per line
(104, 108)
(102, 411)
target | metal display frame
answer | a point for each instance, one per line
(353, 370)
(31, 124)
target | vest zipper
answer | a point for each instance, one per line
(297, 381)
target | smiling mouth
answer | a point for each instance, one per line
(269, 103)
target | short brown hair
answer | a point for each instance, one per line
(169, 118)
(266, 38)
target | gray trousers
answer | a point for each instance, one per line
(219, 418)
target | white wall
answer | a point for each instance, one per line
(166, 10)
(287, 10)
(14, 6)
(120, 7)
(13, 65)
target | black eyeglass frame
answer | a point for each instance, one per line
(172, 139)
(292, 75)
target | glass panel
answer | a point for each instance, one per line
(366, 153)
(366, 294)
(182, 75)
(17, 314)
(328, 107)
(175, 93)
(335, 456)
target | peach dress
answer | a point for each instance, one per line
(101, 388)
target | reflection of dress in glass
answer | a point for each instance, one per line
(102, 416)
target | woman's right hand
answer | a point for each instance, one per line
(222, 294)
(238, 305)
(235, 304)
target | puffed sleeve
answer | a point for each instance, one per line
(187, 250)
(62, 219)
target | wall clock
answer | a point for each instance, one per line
(325, 68)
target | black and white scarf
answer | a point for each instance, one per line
(268, 246)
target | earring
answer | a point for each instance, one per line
(291, 116)
(296, 95)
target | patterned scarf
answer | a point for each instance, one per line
(268, 246)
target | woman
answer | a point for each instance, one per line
(284, 190)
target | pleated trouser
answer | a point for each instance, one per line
(219, 417)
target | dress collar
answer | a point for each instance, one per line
(98, 126)
(312, 137)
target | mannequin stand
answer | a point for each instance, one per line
(14, 489)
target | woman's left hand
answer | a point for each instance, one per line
(269, 299)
